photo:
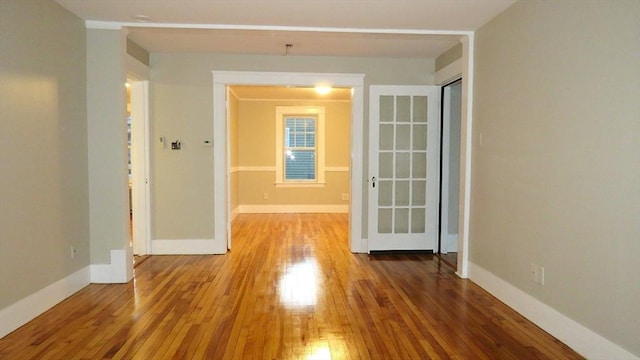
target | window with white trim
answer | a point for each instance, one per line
(299, 146)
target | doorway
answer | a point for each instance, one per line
(288, 149)
(221, 81)
(139, 193)
(450, 170)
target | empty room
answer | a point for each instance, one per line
(279, 179)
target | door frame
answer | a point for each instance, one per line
(221, 192)
(445, 169)
(140, 192)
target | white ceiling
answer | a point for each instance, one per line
(380, 28)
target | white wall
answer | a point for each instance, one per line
(556, 159)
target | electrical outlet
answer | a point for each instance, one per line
(73, 251)
(536, 273)
(265, 196)
(345, 196)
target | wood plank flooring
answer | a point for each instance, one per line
(289, 289)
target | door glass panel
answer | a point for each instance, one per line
(402, 165)
(385, 193)
(418, 192)
(385, 164)
(419, 137)
(417, 220)
(403, 137)
(419, 109)
(403, 112)
(401, 221)
(386, 137)
(402, 193)
(384, 221)
(386, 108)
(419, 165)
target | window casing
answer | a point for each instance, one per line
(300, 146)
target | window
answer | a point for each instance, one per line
(299, 146)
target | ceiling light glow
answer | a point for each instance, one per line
(323, 89)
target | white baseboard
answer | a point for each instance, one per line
(586, 342)
(292, 209)
(25, 310)
(183, 247)
(119, 270)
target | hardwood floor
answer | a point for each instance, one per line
(289, 289)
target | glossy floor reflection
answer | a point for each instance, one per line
(289, 289)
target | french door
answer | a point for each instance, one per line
(404, 136)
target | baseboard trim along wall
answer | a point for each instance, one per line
(183, 247)
(586, 342)
(291, 209)
(25, 310)
(119, 270)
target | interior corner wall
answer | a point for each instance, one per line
(556, 158)
(181, 84)
(44, 201)
(107, 139)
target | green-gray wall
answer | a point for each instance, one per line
(556, 158)
(44, 202)
(182, 108)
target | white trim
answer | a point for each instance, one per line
(327, 169)
(449, 73)
(583, 340)
(355, 81)
(293, 209)
(140, 189)
(184, 246)
(253, 169)
(103, 25)
(27, 309)
(94, 24)
(292, 99)
(118, 271)
(466, 143)
(281, 113)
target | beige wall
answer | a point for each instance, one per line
(257, 133)
(182, 107)
(448, 57)
(44, 200)
(556, 158)
(107, 143)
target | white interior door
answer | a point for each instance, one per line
(404, 135)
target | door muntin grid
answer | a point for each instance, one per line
(402, 164)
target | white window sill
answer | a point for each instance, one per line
(300, 185)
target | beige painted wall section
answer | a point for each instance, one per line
(556, 158)
(182, 107)
(449, 56)
(257, 133)
(107, 146)
(44, 201)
